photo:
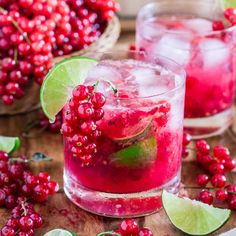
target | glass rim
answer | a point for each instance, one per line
(173, 32)
(181, 71)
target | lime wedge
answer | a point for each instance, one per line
(59, 232)
(228, 3)
(60, 81)
(193, 217)
(140, 154)
(9, 144)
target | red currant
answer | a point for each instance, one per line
(221, 195)
(203, 147)
(202, 180)
(218, 180)
(129, 227)
(206, 197)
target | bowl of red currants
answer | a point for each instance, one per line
(35, 34)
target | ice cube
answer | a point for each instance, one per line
(214, 52)
(199, 25)
(174, 47)
(105, 71)
(152, 29)
(158, 85)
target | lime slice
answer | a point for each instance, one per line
(9, 144)
(140, 154)
(60, 81)
(59, 232)
(193, 217)
(126, 125)
(227, 3)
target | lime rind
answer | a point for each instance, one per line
(59, 232)
(60, 81)
(193, 217)
(9, 144)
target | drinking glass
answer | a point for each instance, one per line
(183, 32)
(139, 150)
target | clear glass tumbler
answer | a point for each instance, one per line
(139, 148)
(183, 31)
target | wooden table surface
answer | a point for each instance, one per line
(59, 212)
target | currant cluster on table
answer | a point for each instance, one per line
(79, 127)
(19, 188)
(32, 32)
(54, 127)
(215, 162)
(129, 227)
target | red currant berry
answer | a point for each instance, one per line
(203, 147)
(186, 139)
(145, 232)
(217, 25)
(3, 156)
(88, 127)
(216, 168)
(32, 181)
(230, 13)
(85, 110)
(7, 231)
(218, 180)
(26, 223)
(229, 165)
(98, 114)
(7, 99)
(79, 140)
(12, 223)
(80, 93)
(10, 201)
(86, 160)
(37, 220)
(232, 202)
(43, 177)
(52, 187)
(91, 149)
(66, 130)
(2, 198)
(221, 195)
(205, 160)
(206, 197)
(40, 193)
(221, 152)
(129, 227)
(231, 189)
(98, 100)
(202, 180)
(26, 190)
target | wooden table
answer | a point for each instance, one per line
(59, 212)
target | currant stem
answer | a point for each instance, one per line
(2, 10)
(15, 55)
(115, 90)
(108, 233)
(195, 187)
(24, 209)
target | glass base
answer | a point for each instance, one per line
(118, 205)
(209, 126)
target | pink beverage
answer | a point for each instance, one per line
(184, 32)
(138, 139)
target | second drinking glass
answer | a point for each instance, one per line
(183, 31)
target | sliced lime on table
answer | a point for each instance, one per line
(9, 144)
(60, 81)
(193, 217)
(227, 3)
(59, 232)
(139, 154)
